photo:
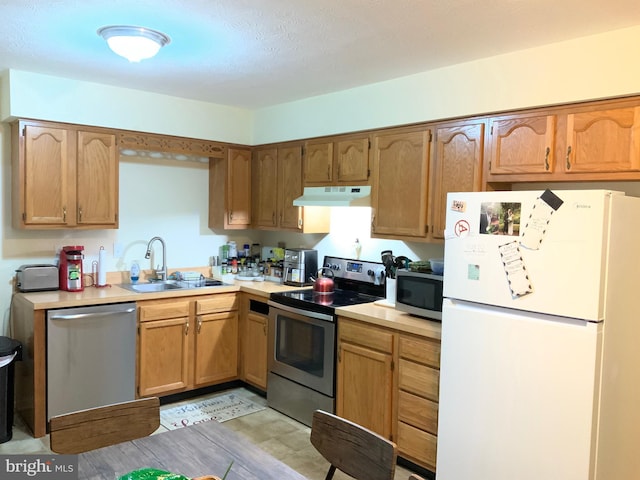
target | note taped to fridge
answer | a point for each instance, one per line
(537, 224)
(515, 269)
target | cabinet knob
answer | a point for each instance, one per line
(568, 155)
(186, 328)
(199, 324)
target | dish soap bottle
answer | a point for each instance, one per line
(135, 272)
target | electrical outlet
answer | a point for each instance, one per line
(117, 249)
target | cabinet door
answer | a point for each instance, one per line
(456, 167)
(97, 182)
(365, 375)
(48, 193)
(364, 381)
(264, 184)
(603, 141)
(216, 354)
(255, 350)
(400, 179)
(238, 191)
(352, 161)
(164, 356)
(317, 165)
(289, 186)
(522, 144)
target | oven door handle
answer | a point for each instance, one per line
(299, 311)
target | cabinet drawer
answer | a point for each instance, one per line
(417, 445)
(419, 379)
(164, 310)
(223, 302)
(420, 350)
(365, 335)
(418, 411)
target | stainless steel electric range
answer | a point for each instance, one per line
(302, 337)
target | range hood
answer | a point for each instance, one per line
(358, 196)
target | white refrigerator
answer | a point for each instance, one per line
(540, 365)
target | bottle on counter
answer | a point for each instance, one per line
(233, 250)
(134, 273)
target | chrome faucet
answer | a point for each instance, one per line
(163, 270)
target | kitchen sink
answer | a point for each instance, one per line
(152, 287)
(169, 285)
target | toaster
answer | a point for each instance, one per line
(36, 278)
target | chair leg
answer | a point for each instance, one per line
(330, 473)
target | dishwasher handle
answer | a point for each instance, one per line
(75, 316)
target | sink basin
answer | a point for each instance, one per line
(169, 285)
(152, 287)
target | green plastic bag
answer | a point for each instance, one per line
(152, 474)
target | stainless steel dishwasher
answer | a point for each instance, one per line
(91, 357)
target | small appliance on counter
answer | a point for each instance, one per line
(419, 293)
(71, 268)
(37, 278)
(300, 265)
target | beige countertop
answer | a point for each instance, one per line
(389, 317)
(116, 294)
(369, 312)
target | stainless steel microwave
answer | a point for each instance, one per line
(419, 294)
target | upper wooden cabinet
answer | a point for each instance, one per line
(456, 167)
(400, 184)
(522, 144)
(64, 177)
(605, 140)
(230, 190)
(289, 186)
(598, 141)
(341, 162)
(264, 185)
(276, 183)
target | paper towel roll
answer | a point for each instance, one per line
(102, 267)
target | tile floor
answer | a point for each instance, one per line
(277, 434)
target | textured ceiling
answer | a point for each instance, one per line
(254, 53)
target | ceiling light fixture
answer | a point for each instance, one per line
(133, 43)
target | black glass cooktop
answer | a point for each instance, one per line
(309, 300)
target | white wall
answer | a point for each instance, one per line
(45, 97)
(583, 69)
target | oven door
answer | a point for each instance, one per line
(302, 347)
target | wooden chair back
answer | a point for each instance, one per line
(352, 449)
(99, 427)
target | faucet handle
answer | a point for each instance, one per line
(159, 273)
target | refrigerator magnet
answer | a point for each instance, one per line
(536, 226)
(515, 269)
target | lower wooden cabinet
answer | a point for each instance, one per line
(418, 389)
(365, 375)
(254, 329)
(388, 382)
(186, 343)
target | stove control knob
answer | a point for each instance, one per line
(370, 272)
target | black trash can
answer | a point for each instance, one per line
(10, 352)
